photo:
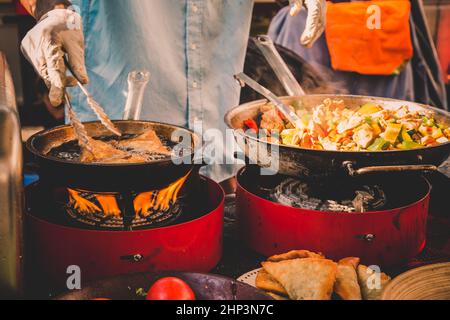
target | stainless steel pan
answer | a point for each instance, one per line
(300, 162)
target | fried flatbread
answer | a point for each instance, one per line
(371, 284)
(346, 285)
(266, 282)
(304, 279)
(295, 254)
(106, 153)
(148, 142)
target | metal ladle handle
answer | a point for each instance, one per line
(279, 66)
(289, 113)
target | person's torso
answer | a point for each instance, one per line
(192, 48)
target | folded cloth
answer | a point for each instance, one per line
(357, 43)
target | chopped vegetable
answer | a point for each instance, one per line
(333, 126)
(364, 136)
(428, 122)
(392, 132)
(251, 124)
(425, 131)
(369, 108)
(447, 132)
(427, 141)
(436, 133)
(442, 140)
(379, 145)
(406, 136)
(291, 137)
(376, 129)
(407, 145)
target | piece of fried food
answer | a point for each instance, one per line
(148, 142)
(295, 254)
(105, 153)
(304, 279)
(266, 282)
(371, 284)
(346, 285)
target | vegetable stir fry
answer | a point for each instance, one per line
(333, 126)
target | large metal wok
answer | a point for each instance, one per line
(318, 164)
(111, 177)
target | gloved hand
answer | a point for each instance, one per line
(58, 33)
(315, 22)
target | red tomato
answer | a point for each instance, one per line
(170, 289)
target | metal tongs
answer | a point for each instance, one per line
(287, 79)
(284, 74)
(79, 128)
(290, 114)
(98, 110)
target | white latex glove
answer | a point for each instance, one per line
(58, 33)
(315, 22)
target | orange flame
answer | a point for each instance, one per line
(144, 203)
(81, 204)
(109, 205)
(158, 200)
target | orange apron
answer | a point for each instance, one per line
(358, 44)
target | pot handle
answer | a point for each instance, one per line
(349, 165)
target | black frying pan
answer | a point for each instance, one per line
(110, 177)
(205, 287)
(319, 164)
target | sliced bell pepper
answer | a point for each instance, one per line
(369, 108)
(392, 132)
(379, 145)
(251, 124)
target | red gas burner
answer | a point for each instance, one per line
(381, 220)
(55, 240)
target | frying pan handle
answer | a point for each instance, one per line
(349, 165)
